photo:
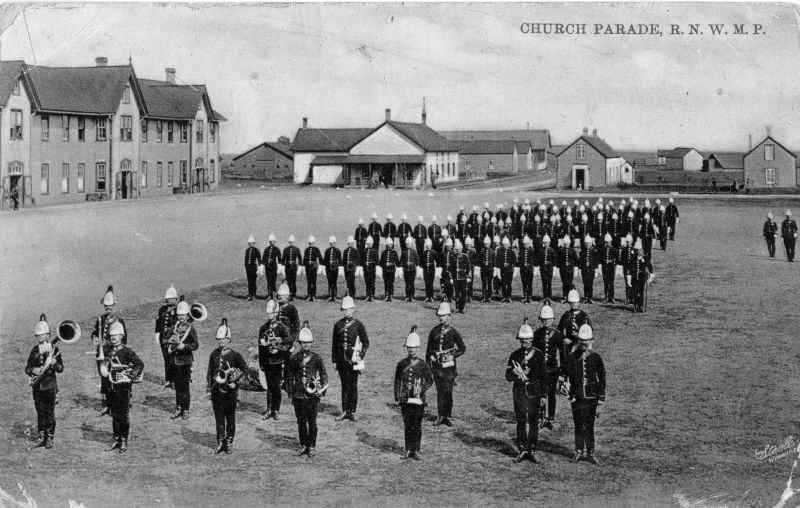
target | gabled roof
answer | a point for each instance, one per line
(327, 140)
(597, 143)
(171, 102)
(677, 152)
(9, 72)
(278, 147)
(539, 138)
(729, 160)
(425, 137)
(485, 147)
(88, 90)
(769, 138)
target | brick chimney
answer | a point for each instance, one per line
(388, 115)
(101, 61)
(586, 131)
(594, 133)
(170, 72)
(305, 122)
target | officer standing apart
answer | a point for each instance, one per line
(119, 394)
(587, 391)
(550, 342)
(526, 369)
(308, 381)
(182, 343)
(789, 234)
(274, 342)
(223, 365)
(252, 260)
(167, 317)
(444, 346)
(412, 378)
(770, 232)
(673, 217)
(311, 260)
(349, 345)
(271, 258)
(44, 362)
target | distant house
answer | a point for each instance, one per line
(731, 162)
(268, 161)
(532, 147)
(680, 158)
(626, 174)
(769, 164)
(588, 162)
(478, 158)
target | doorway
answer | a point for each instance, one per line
(579, 177)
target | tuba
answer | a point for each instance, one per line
(68, 332)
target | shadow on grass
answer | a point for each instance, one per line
(90, 433)
(277, 440)
(165, 404)
(379, 443)
(251, 407)
(503, 414)
(489, 443)
(329, 409)
(152, 378)
(88, 402)
(554, 449)
(22, 430)
(205, 439)
(235, 296)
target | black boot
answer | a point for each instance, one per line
(115, 445)
(220, 446)
(229, 445)
(41, 441)
(48, 442)
(123, 447)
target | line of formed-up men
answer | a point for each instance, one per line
(555, 359)
(579, 241)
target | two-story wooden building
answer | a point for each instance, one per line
(769, 164)
(15, 132)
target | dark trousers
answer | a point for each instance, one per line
(311, 282)
(306, 412)
(486, 283)
(45, 403)
(408, 279)
(412, 423)
(224, 405)
(252, 285)
(349, 379)
(526, 274)
(506, 276)
(771, 246)
(609, 271)
(567, 274)
(332, 276)
(168, 367)
(662, 239)
(526, 413)
(460, 294)
(369, 281)
(588, 283)
(547, 284)
(647, 245)
(272, 278)
(291, 281)
(388, 283)
(183, 378)
(470, 288)
(583, 415)
(447, 285)
(274, 375)
(428, 275)
(552, 386)
(445, 380)
(672, 230)
(119, 403)
(637, 293)
(350, 279)
(105, 387)
(789, 244)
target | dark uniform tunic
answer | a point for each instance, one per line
(370, 263)
(527, 395)
(390, 230)
(672, 219)
(375, 231)
(119, 395)
(409, 260)
(435, 234)
(408, 373)
(223, 397)
(789, 234)
(274, 342)
(304, 366)
(292, 259)
(420, 233)
(428, 261)
(360, 236)
(346, 333)
(567, 259)
(350, 262)
(271, 258)
(607, 256)
(551, 343)
(505, 260)
(639, 271)
(289, 316)
(660, 221)
(461, 274)
(446, 260)
(587, 386)
(389, 262)
(546, 260)
(312, 257)
(100, 333)
(770, 232)
(569, 324)
(252, 258)
(46, 389)
(167, 317)
(444, 337)
(626, 256)
(333, 260)
(182, 360)
(587, 262)
(647, 233)
(403, 233)
(527, 260)
(474, 261)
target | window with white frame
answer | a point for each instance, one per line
(159, 173)
(16, 124)
(184, 132)
(184, 173)
(170, 128)
(769, 176)
(45, 128)
(662, 161)
(44, 184)
(81, 177)
(126, 128)
(81, 129)
(199, 131)
(580, 151)
(144, 174)
(144, 131)
(100, 177)
(769, 152)
(159, 131)
(64, 178)
(101, 129)
(64, 128)
(126, 95)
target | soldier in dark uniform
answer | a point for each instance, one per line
(307, 382)
(444, 346)
(350, 263)
(474, 261)
(312, 258)
(478, 232)
(271, 258)
(375, 230)
(332, 260)
(550, 342)
(571, 321)
(614, 228)
(274, 343)
(638, 275)
(536, 232)
(420, 233)
(461, 274)
(412, 378)
(789, 234)
(349, 345)
(566, 259)
(646, 234)
(587, 391)
(390, 228)
(626, 255)
(607, 257)
(450, 228)
(166, 319)
(505, 261)
(102, 341)
(582, 230)
(526, 369)
(182, 341)
(370, 264)
(662, 226)
(587, 262)
(463, 229)
(44, 362)
(770, 232)
(224, 364)
(446, 261)
(501, 214)
(288, 314)
(388, 263)
(404, 232)
(673, 217)
(119, 395)
(461, 215)
(292, 259)
(474, 217)
(527, 260)
(487, 262)
(252, 260)
(428, 261)
(546, 260)
(361, 236)
(410, 261)
(435, 234)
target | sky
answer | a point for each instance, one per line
(342, 65)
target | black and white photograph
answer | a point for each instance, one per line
(399, 254)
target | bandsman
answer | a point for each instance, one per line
(491, 227)
(389, 261)
(124, 367)
(527, 260)
(587, 261)
(410, 261)
(252, 260)
(44, 362)
(181, 343)
(332, 260)
(312, 258)
(271, 258)
(789, 234)
(102, 340)
(587, 392)
(375, 230)
(288, 314)
(770, 232)
(412, 378)
(572, 320)
(626, 256)
(526, 369)
(349, 346)
(444, 346)
(487, 262)
(550, 342)
(404, 232)
(165, 321)
(350, 263)
(608, 261)
(370, 264)
(566, 259)
(429, 261)
(225, 368)
(307, 382)
(646, 234)
(505, 261)
(546, 260)
(661, 227)
(461, 274)
(292, 260)
(638, 276)
(390, 228)
(673, 217)
(274, 344)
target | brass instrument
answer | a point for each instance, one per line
(228, 378)
(198, 312)
(519, 371)
(68, 332)
(313, 386)
(180, 327)
(356, 360)
(415, 397)
(120, 373)
(446, 357)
